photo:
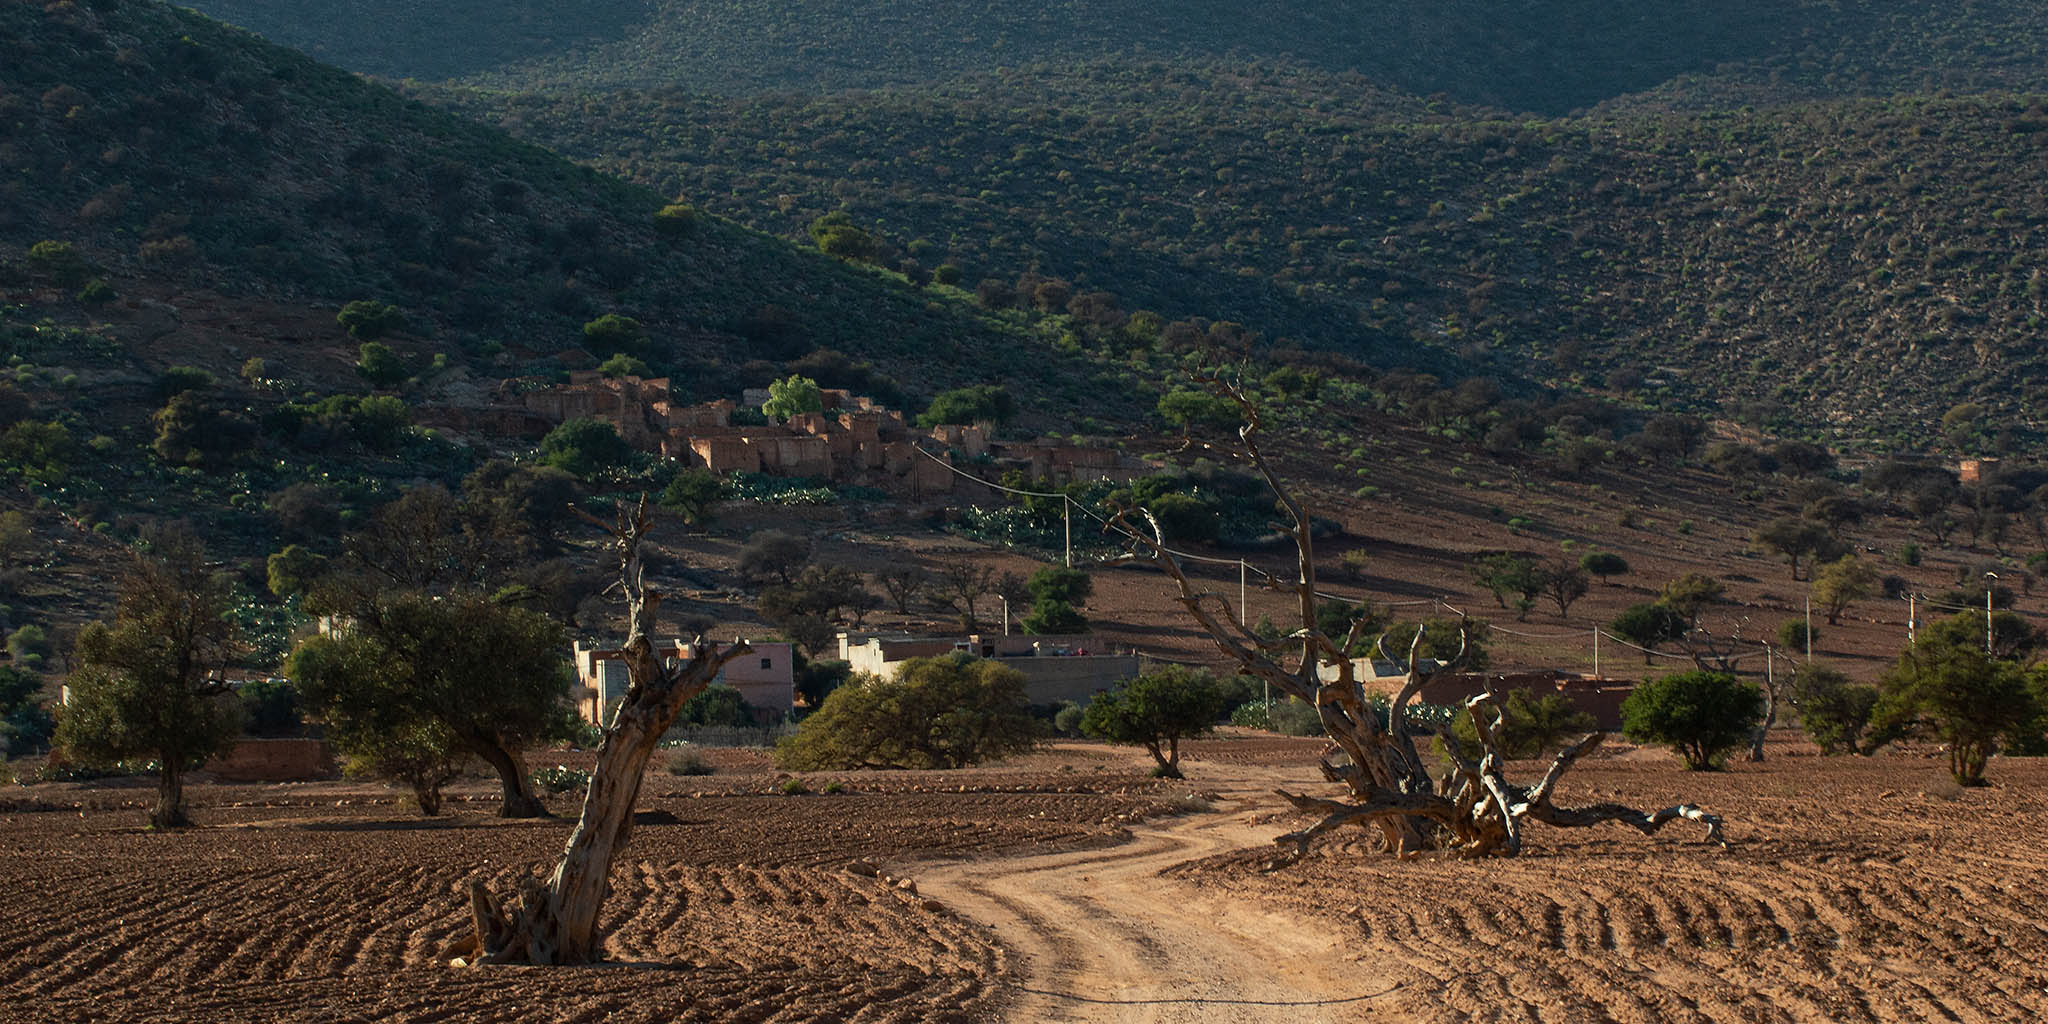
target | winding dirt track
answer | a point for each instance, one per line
(1104, 936)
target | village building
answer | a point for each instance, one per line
(765, 677)
(1055, 668)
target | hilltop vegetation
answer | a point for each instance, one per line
(164, 145)
(1853, 268)
(1547, 58)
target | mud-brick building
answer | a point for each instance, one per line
(1594, 695)
(1055, 668)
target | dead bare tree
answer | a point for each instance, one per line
(556, 921)
(1471, 810)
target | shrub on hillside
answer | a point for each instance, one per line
(1701, 715)
(945, 712)
(368, 320)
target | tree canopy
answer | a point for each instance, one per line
(1157, 710)
(1700, 714)
(944, 712)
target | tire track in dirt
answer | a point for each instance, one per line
(1102, 936)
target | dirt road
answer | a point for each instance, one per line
(1104, 938)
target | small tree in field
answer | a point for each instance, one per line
(1531, 726)
(422, 754)
(1841, 583)
(1956, 694)
(1832, 710)
(1702, 715)
(149, 685)
(1603, 564)
(792, 395)
(1157, 711)
(945, 712)
(493, 676)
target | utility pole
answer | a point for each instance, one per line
(1596, 652)
(1067, 513)
(1809, 629)
(1912, 618)
(1987, 613)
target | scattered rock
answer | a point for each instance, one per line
(861, 867)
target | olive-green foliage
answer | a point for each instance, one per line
(1288, 717)
(585, 448)
(59, 261)
(676, 219)
(148, 683)
(1701, 715)
(791, 395)
(496, 677)
(1185, 519)
(37, 451)
(1954, 693)
(1055, 590)
(1841, 583)
(623, 365)
(1443, 640)
(836, 235)
(1511, 574)
(944, 712)
(1690, 594)
(368, 319)
(292, 571)
(25, 725)
(691, 493)
(1603, 563)
(270, 707)
(1649, 624)
(1798, 540)
(1157, 710)
(1832, 710)
(717, 704)
(615, 334)
(1192, 409)
(1795, 634)
(420, 754)
(1529, 726)
(985, 403)
(379, 365)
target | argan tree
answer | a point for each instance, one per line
(556, 920)
(1469, 810)
(1956, 694)
(943, 712)
(1701, 715)
(1156, 711)
(149, 684)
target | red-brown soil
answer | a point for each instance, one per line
(1857, 890)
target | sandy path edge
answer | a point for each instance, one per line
(1101, 936)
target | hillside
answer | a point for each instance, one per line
(167, 146)
(1547, 58)
(1852, 269)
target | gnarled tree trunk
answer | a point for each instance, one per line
(556, 921)
(519, 800)
(1472, 810)
(169, 811)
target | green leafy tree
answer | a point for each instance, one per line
(40, 452)
(294, 570)
(791, 395)
(1157, 710)
(1798, 539)
(420, 754)
(1564, 584)
(1055, 590)
(1648, 624)
(270, 707)
(1191, 409)
(1511, 574)
(1604, 564)
(774, 554)
(1529, 726)
(377, 364)
(1843, 582)
(585, 448)
(1185, 519)
(613, 334)
(495, 676)
(836, 235)
(149, 683)
(1700, 714)
(1957, 695)
(1690, 594)
(1795, 634)
(945, 712)
(1832, 710)
(59, 261)
(692, 493)
(676, 220)
(1335, 619)
(25, 725)
(623, 365)
(982, 404)
(368, 320)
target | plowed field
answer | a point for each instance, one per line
(1066, 886)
